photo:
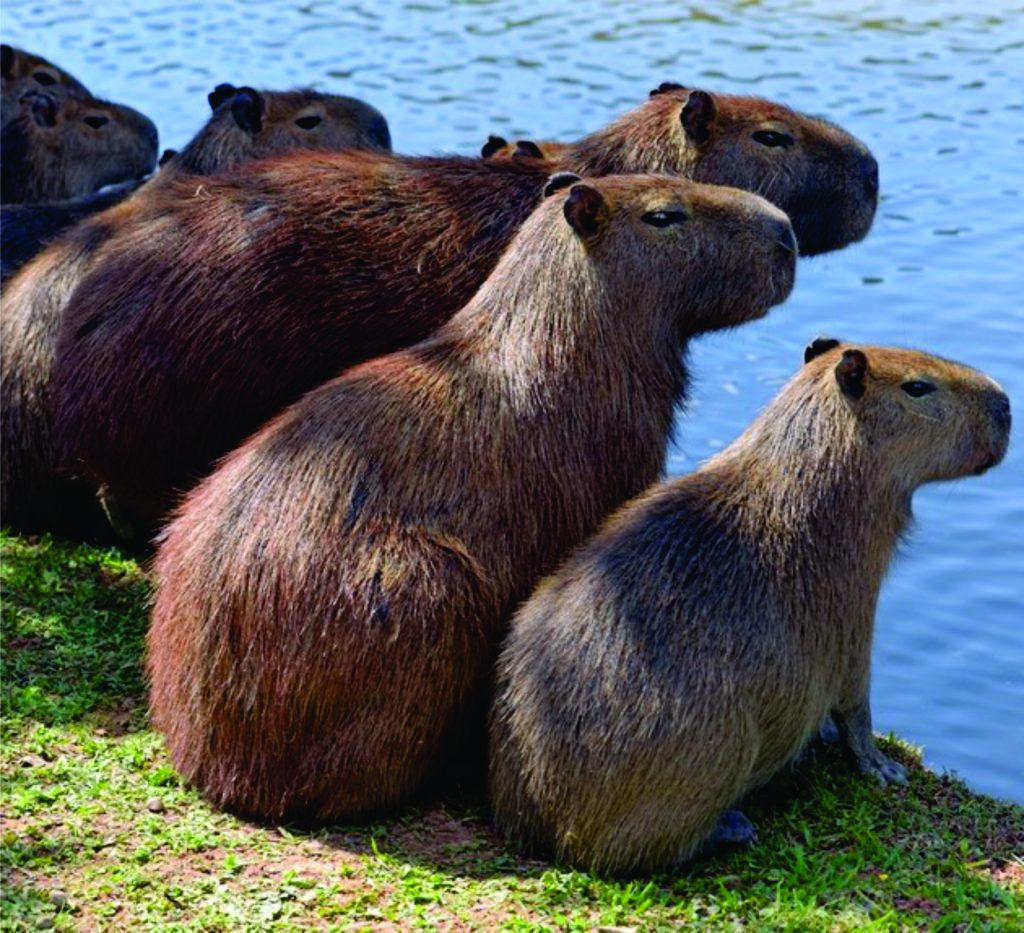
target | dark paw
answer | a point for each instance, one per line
(882, 769)
(733, 829)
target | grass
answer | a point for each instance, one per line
(99, 834)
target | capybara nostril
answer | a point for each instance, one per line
(784, 236)
(869, 172)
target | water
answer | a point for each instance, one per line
(935, 88)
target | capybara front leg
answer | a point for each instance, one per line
(855, 731)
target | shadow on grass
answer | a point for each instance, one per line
(73, 633)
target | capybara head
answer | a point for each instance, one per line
(21, 71)
(64, 147)
(919, 417)
(825, 179)
(247, 124)
(497, 147)
(737, 249)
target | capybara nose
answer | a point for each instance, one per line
(999, 408)
(869, 172)
(783, 233)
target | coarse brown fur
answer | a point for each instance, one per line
(690, 650)
(329, 600)
(204, 321)
(21, 71)
(245, 125)
(64, 147)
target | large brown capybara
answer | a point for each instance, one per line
(21, 71)
(206, 318)
(330, 599)
(245, 124)
(699, 641)
(64, 147)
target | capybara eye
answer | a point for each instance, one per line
(916, 388)
(663, 218)
(44, 78)
(307, 123)
(772, 139)
(96, 122)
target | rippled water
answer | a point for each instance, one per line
(935, 88)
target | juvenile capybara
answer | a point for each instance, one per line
(206, 318)
(21, 71)
(497, 147)
(63, 147)
(245, 124)
(692, 648)
(329, 600)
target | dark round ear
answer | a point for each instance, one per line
(525, 149)
(558, 181)
(851, 372)
(818, 346)
(586, 211)
(665, 87)
(219, 94)
(698, 115)
(494, 144)
(6, 60)
(43, 107)
(168, 154)
(247, 108)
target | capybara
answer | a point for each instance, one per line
(245, 124)
(330, 599)
(692, 648)
(21, 71)
(206, 318)
(64, 147)
(497, 147)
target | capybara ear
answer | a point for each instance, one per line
(493, 145)
(665, 87)
(527, 149)
(43, 107)
(247, 108)
(221, 93)
(818, 346)
(6, 60)
(560, 180)
(168, 154)
(698, 115)
(586, 211)
(851, 372)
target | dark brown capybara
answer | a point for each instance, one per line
(207, 318)
(245, 124)
(21, 71)
(692, 648)
(330, 599)
(63, 147)
(497, 147)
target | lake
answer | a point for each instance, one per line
(936, 89)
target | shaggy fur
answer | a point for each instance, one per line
(60, 147)
(329, 600)
(209, 318)
(21, 71)
(692, 648)
(35, 300)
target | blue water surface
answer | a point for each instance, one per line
(935, 88)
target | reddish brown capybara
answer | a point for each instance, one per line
(21, 71)
(202, 322)
(245, 124)
(62, 147)
(497, 147)
(695, 645)
(329, 600)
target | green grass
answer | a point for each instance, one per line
(99, 834)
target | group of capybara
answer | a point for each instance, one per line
(402, 422)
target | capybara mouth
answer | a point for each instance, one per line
(821, 229)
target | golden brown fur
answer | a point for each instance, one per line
(692, 648)
(21, 71)
(292, 269)
(329, 599)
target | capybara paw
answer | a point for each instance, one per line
(882, 769)
(829, 732)
(733, 829)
